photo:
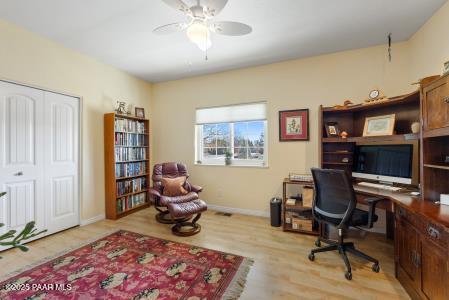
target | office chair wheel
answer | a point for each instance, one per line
(311, 257)
(376, 268)
(348, 275)
(318, 243)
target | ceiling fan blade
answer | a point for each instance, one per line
(178, 5)
(170, 28)
(213, 7)
(230, 28)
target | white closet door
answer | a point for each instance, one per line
(61, 144)
(21, 156)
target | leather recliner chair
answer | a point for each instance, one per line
(170, 170)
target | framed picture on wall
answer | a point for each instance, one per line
(294, 125)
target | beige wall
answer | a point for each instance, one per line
(304, 83)
(429, 47)
(28, 58)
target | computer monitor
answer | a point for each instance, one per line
(387, 162)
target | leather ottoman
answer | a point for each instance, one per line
(180, 211)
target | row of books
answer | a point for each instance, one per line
(128, 202)
(130, 154)
(126, 139)
(125, 125)
(131, 186)
(130, 169)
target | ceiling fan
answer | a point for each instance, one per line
(199, 22)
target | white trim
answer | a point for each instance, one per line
(242, 211)
(93, 220)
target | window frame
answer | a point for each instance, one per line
(199, 148)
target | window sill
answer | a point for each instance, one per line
(232, 166)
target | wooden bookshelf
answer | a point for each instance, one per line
(127, 164)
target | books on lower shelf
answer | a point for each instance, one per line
(130, 126)
(129, 202)
(130, 169)
(130, 154)
(129, 139)
(131, 186)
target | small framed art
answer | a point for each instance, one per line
(140, 112)
(380, 125)
(332, 129)
(294, 125)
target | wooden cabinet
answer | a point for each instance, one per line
(434, 273)
(436, 104)
(407, 246)
(421, 256)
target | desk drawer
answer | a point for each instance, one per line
(403, 214)
(428, 229)
(434, 232)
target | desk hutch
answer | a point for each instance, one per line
(421, 226)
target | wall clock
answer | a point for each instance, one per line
(374, 94)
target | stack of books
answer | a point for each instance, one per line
(131, 169)
(131, 186)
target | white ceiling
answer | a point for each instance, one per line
(119, 32)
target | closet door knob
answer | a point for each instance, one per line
(446, 99)
(18, 173)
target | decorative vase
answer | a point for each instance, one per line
(416, 127)
(228, 161)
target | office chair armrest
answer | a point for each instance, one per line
(372, 202)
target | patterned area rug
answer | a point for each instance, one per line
(128, 265)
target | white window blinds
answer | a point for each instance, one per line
(231, 113)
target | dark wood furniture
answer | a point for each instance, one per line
(421, 243)
(337, 153)
(126, 179)
(298, 208)
(435, 139)
(421, 226)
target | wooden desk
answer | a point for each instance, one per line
(421, 236)
(437, 213)
(387, 204)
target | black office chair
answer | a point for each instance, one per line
(335, 204)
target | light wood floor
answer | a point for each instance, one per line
(281, 269)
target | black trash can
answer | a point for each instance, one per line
(275, 212)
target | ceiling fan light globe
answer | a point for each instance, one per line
(199, 34)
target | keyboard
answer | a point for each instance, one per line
(380, 186)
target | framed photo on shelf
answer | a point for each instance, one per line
(379, 126)
(332, 129)
(140, 112)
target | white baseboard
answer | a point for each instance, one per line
(92, 220)
(243, 211)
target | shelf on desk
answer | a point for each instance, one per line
(359, 139)
(288, 227)
(441, 166)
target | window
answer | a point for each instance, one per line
(238, 130)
